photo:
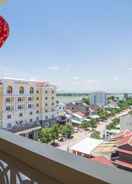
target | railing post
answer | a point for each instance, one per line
(12, 176)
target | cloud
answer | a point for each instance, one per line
(130, 68)
(54, 68)
(116, 78)
(90, 81)
(76, 78)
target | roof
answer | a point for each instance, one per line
(123, 164)
(76, 122)
(94, 116)
(77, 115)
(80, 114)
(124, 151)
(125, 137)
(87, 145)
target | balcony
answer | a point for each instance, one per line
(24, 161)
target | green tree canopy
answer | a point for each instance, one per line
(96, 135)
(86, 100)
(67, 131)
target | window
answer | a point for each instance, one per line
(37, 98)
(46, 117)
(46, 98)
(30, 120)
(46, 104)
(46, 91)
(53, 97)
(9, 117)
(29, 99)
(30, 113)
(21, 90)
(20, 114)
(19, 99)
(37, 112)
(37, 118)
(9, 125)
(8, 100)
(37, 105)
(8, 108)
(29, 106)
(31, 90)
(53, 92)
(46, 110)
(53, 104)
(9, 90)
(37, 91)
(19, 107)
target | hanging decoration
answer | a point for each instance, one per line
(4, 31)
(4, 28)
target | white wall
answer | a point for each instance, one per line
(126, 122)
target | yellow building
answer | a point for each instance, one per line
(23, 102)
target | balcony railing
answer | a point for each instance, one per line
(24, 161)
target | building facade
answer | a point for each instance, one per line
(126, 122)
(98, 98)
(24, 102)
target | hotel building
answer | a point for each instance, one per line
(98, 98)
(23, 102)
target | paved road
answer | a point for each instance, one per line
(82, 134)
(102, 125)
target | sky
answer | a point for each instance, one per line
(78, 45)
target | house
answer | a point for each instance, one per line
(122, 155)
(78, 107)
(126, 122)
(85, 147)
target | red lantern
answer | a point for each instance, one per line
(4, 31)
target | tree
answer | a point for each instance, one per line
(85, 125)
(45, 135)
(111, 98)
(93, 124)
(86, 100)
(67, 131)
(103, 114)
(54, 132)
(96, 134)
(114, 123)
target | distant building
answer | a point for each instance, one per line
(23, 103)
(126, 122)
(60, 108)
(126, 96)
(98, 98)
(76, 107)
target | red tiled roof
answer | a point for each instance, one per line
(102, 160)
(125, 137)
(80, 113)
(124, 151)
(123, 164)
(122, 134)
